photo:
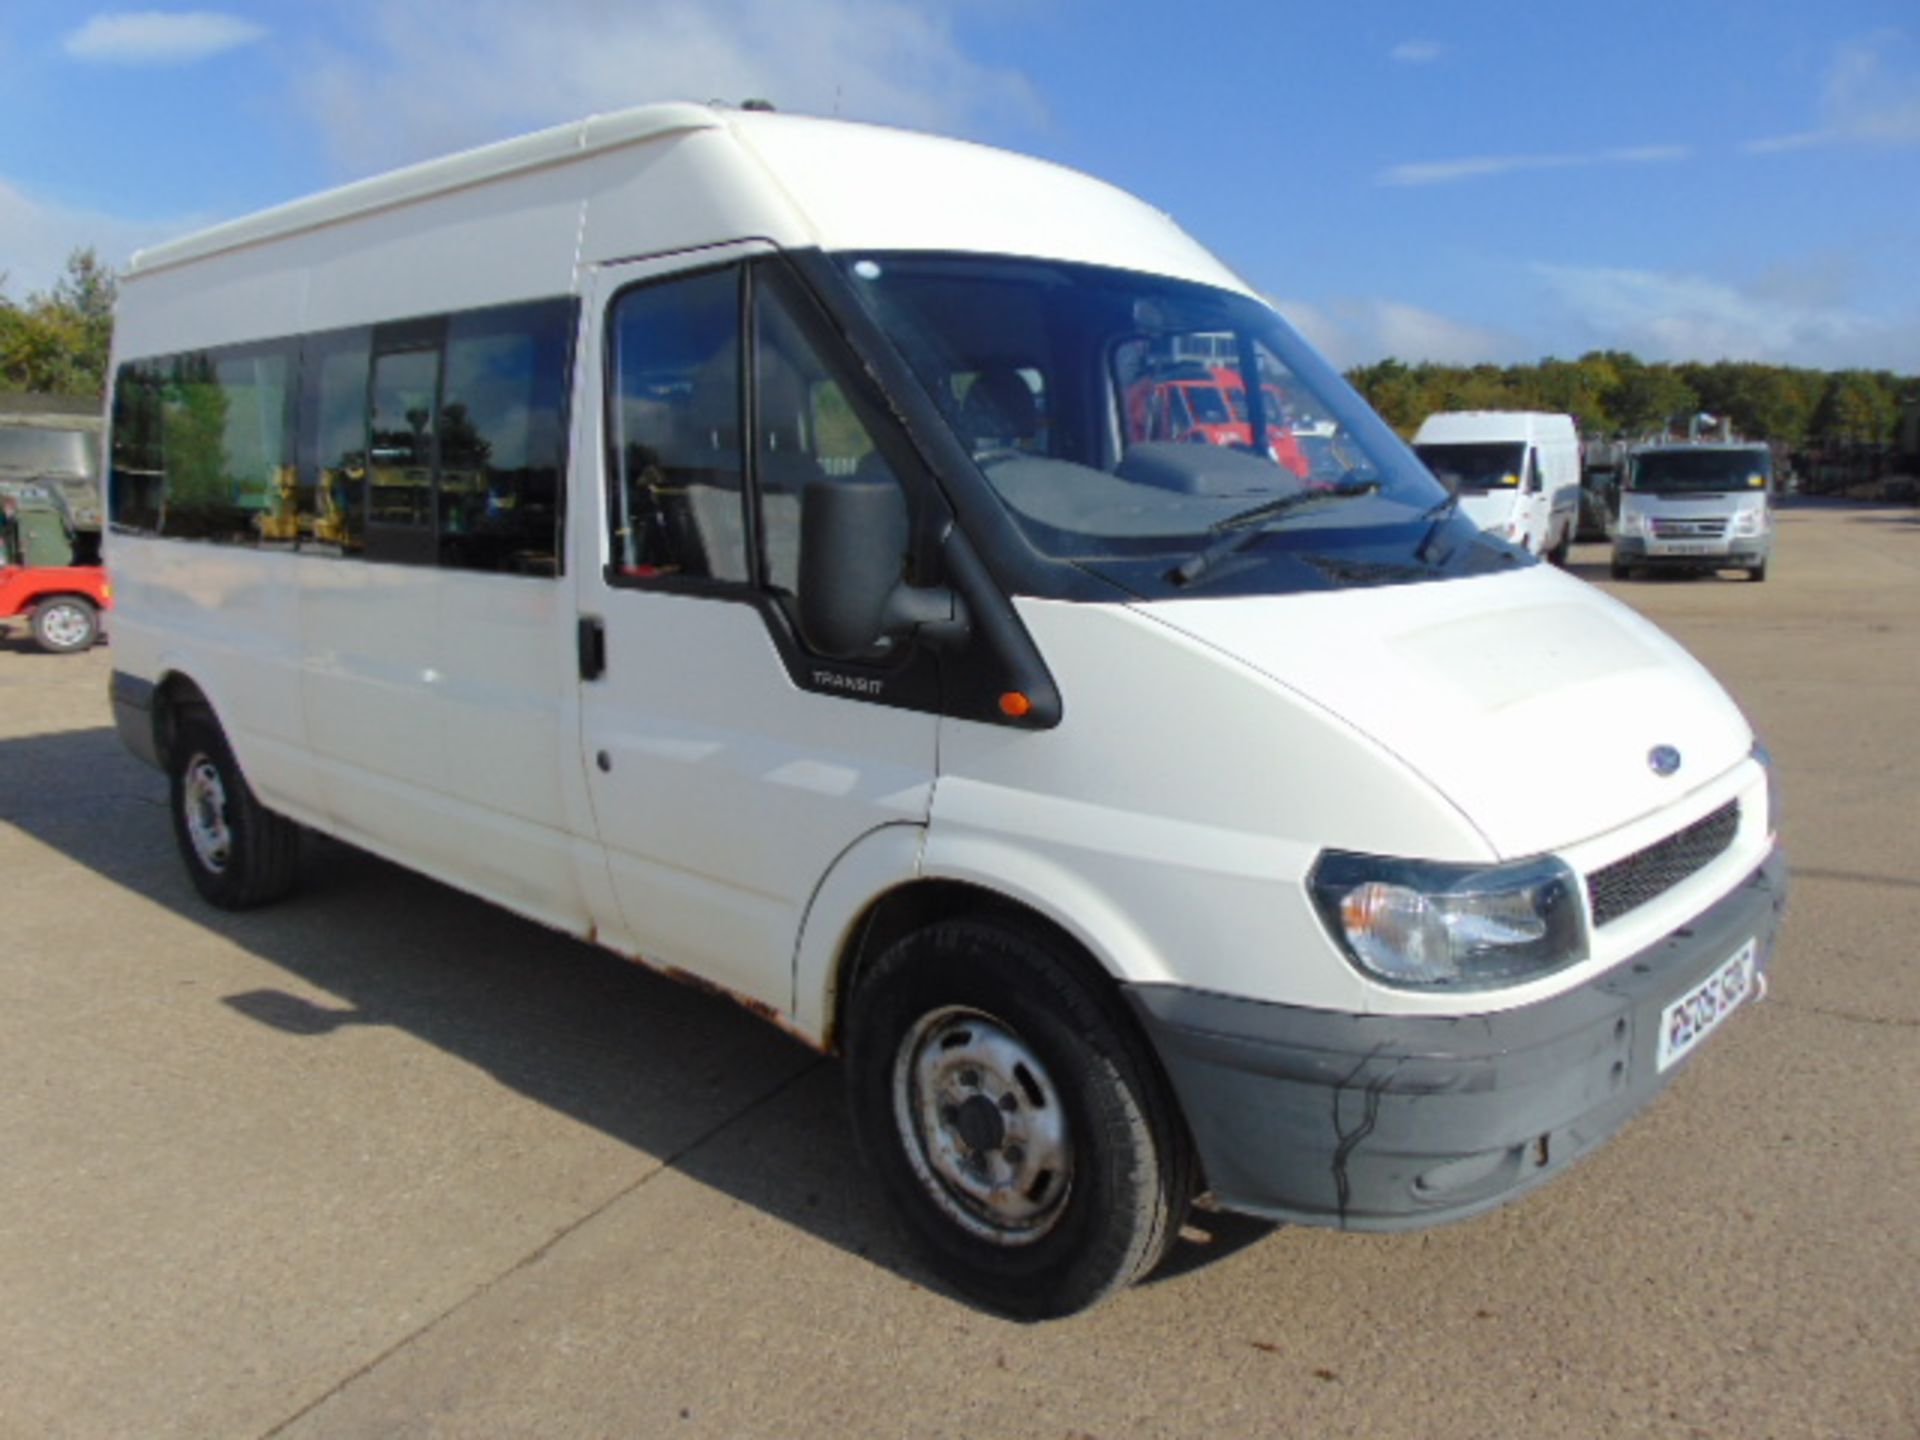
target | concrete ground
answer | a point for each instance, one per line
(383, 1160)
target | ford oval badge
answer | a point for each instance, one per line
(1663, 760)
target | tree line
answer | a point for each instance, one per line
(1610, 393)
(56, 342)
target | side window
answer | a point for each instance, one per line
(400, 460)
(502, 432)
(134, 481)
(674, 428)
(1533, 471)
(226, 446)
(333, 446)
(806, 429)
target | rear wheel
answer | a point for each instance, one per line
(1017, 1122)
(238, 853)
(65, 624)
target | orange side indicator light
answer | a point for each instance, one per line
(1013, 704)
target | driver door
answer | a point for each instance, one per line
(727, 767)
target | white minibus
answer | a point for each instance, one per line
(738, 539)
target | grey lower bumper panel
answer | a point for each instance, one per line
(133, 715)
(1374, 1122)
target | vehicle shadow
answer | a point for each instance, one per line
(674, 1072)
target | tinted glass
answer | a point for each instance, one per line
(227, 446)
(1479, 466)
(334, 458)
(134, 482)
(502, 438)
(1673, 472)
(401, 480)
(674, 427)
(806, 430)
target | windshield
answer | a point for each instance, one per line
(1133, 424)
(1470, 467)
(1688, 472)
(27, 450)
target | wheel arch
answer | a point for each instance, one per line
(174, 695)
(1081, 925)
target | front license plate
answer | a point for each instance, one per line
(1687, 547)
(1696, 1014)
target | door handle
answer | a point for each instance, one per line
(591, 638)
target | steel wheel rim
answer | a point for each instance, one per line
(983, 1126)
(203, 805)
(64, 626)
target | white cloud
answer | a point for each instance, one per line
(1870, 96)
(1781, 319)
(441, 75)
(160, 37)
(1443, 172)
(36, 236)
(1358, 331)
(1417, 52)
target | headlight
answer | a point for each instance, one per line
(1750, 522)
(1631, 523)
(1456, 927)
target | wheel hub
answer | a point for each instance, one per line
(203, 803)
(983, 1126)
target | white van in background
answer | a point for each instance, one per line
(1517, 473)
(742, 541)
(1696, 506)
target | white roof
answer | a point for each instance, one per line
(791, 179)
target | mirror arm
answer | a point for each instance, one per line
(935, 615)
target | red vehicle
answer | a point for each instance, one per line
(49, 573)
(1208, 405)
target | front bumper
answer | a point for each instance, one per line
(1737, 554)
(1384, 1122)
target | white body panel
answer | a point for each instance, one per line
(696, 807)
(1539, 519)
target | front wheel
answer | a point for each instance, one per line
(1617, 571)
(1757, 572)
(238, 853)
(1017, 1122)
(1561, 553)
(65, 624)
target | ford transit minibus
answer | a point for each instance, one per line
(732, 538)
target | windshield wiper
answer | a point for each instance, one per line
(1236, 530)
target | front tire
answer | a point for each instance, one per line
(238, 853)
(1618, 571)
(65, 624)
(1017, 1122)
(1757, 573)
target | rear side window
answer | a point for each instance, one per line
(439, 440)
(502, 439)
(224, 427)
(136, 468)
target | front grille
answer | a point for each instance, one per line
(1630, 883)
(1689, 529)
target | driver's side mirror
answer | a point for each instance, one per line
(854, 601)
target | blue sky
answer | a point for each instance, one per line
(1693, 179)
